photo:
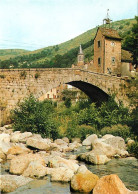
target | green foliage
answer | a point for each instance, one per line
(85, 130)
(130, 42)
(117, 130)
(67, 102)
(36, 117)
(133, 149)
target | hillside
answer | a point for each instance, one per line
(65, 54)
(10, 53)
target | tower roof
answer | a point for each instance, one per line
(80, 50)
(109, 33)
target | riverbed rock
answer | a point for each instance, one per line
(84, 180)
(102, 148)
(35, 170)
(17, 150)
(74, 145)
(23, 137)
(2, 156)
(66, 139)
(5, 137)
(93, 158)
(4, 146)
(38, 143)
(20, 163)
(130, 142)
(116, 142)
(9, 183)
(97, 159)
(76, 139)
(61, 174)
(107, 136)
(110, 184)
(57, 162)
(60, 141)
(89, 140)
(15, 136)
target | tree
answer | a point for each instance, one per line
(131, 42)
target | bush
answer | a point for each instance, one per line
(67, 102)
(36, 117)
(117, 130)
(133, 149)
(85, 130)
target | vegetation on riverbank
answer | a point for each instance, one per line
(78, 120)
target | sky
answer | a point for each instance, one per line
(34, 24)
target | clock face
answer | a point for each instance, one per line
(112, 44)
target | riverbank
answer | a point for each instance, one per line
(54, 166)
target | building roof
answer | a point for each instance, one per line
(109, 33)
(80, 50)
(126, 56)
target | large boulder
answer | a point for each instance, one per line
(111, 184)
(16, 150)
(102, 148)
(94, 158)
(116, 142)
(5, 137)
(57, 161)
(84, 180)
(38, 143)
(97, 159)
(9, 183)
(60, 142)
(23, 137)
(4, 146)
(89, 140)
(66, 139)
(35, 169)
(20, 163)
(61, 174)
(15, 136)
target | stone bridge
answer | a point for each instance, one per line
(16, 84)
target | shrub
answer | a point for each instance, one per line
(85, 130)
(133, 149)
(36, 117)
(67, 102)
(117, 130)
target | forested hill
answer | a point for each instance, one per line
(65, 54)
(10, 53)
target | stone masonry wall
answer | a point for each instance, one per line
(16, 84)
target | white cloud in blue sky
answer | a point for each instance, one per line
(33, 24)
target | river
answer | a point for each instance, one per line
(125, 168)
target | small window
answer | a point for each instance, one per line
(99, 43)
(99, 61)
(113, 60)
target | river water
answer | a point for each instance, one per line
(125, 168)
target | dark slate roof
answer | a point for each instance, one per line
(126, 56)
(109, 33)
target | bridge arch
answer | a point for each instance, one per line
(16, 84)
(93, 92)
